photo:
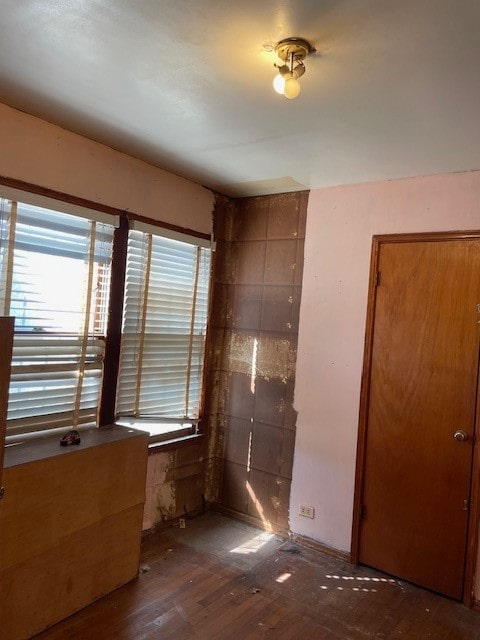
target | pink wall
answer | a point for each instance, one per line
(46, 155)
(340, 225)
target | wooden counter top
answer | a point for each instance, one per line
(48, 446)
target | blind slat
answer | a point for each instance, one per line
(59, 275)
(170, 354)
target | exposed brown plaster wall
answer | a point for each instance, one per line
(259, 264)
(175, 484)
(245, 463)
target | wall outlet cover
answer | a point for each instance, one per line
(306, 511)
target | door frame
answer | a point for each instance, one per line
(473, 528)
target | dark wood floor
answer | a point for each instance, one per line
(219, 579)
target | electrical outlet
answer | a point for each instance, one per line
(306, 511)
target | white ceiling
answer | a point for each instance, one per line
(394, 90)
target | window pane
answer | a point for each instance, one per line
(55, 279)
(164, 325)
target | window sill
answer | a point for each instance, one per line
(174, 443)
(163, 433)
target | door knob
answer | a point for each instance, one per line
(460, 435)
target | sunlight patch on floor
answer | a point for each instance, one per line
(284, 577)
(361, 588)
(254, 544)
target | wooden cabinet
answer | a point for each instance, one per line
(70, 525)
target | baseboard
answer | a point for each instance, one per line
(282, 532)
(322, 548)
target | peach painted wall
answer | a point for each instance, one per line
(340, 225)
(41, 153)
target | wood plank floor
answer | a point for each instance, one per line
(219, 579)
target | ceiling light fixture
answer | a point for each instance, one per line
(292, 52)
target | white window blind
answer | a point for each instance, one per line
(164, 324)
(54, 278)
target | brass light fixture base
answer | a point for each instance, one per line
(299, 47)
(292, 52)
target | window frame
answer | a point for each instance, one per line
(57, 366)
(187, 429)
(108, 391)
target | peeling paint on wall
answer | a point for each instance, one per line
(276, 357)
(165, 502)
(175, 484)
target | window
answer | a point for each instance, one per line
(163, 335)
(54, 278)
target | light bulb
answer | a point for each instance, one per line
(279, 84)
(292, 88)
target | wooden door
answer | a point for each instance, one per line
(6, 338)
(423, 388)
